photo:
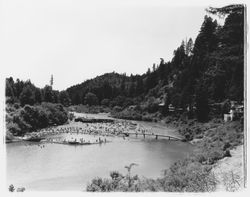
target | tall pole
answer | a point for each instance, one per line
(51, 81)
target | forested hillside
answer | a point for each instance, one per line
(202, 72)
(206, 71)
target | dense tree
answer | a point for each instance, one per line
(106, 90)
(64, 98)
(179, 57)
(118, 101)
(38, 95)
(105, 102)
(229, 56)
(48, 94)
(31, 118)
(90, 99)
(27, 96)
(189, 47)
(9, 91)
(19, 85)
(139, 86)
(202, 104)
(131, 90)
(77, 99)
(205, 43)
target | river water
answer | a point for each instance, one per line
(46, 166)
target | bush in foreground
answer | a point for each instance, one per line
(188, 176)
(183, 176)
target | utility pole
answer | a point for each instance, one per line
(51, 81)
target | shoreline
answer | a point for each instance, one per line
(116, 127)
(229, 171)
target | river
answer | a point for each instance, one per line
(46, 166)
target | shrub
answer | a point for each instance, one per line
(190, 176)
(11, 188)
(30, 118)
(16, 105)
(12, 128)
(90, 99)
(214, 156)
(200, 158)
(147, 118)
(227, 153)
(117, 108)
(226, 145)
(187, 175)
(115, 175)
(105, 102)
(9, 136)
(71, 116)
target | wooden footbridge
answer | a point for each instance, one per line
(157, 136)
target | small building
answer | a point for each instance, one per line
(236, 111)
(228, 117)
(161, 104)
(161, 107)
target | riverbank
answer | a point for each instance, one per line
(229, 171)
(107, 126)
(220, 145)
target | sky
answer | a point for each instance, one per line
(76, 40)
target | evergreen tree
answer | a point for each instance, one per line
(48, 94)
(9, 91)
(106, 90)
(27, 96)
(228, 68)
(139, 86)
(179, 57)
(202, 107)
(90, 99)
(205, 43)
(19, 87)
(64, 98)
(38, 95)
(189, 47)
(122, 86)
(131, 89)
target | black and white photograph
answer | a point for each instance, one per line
(123, 96)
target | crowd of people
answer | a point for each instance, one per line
(99, 131)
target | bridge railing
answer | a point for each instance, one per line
(152, 134)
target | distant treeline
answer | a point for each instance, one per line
(206, 71)
(24, 92)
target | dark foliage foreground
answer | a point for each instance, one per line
(20, 120)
